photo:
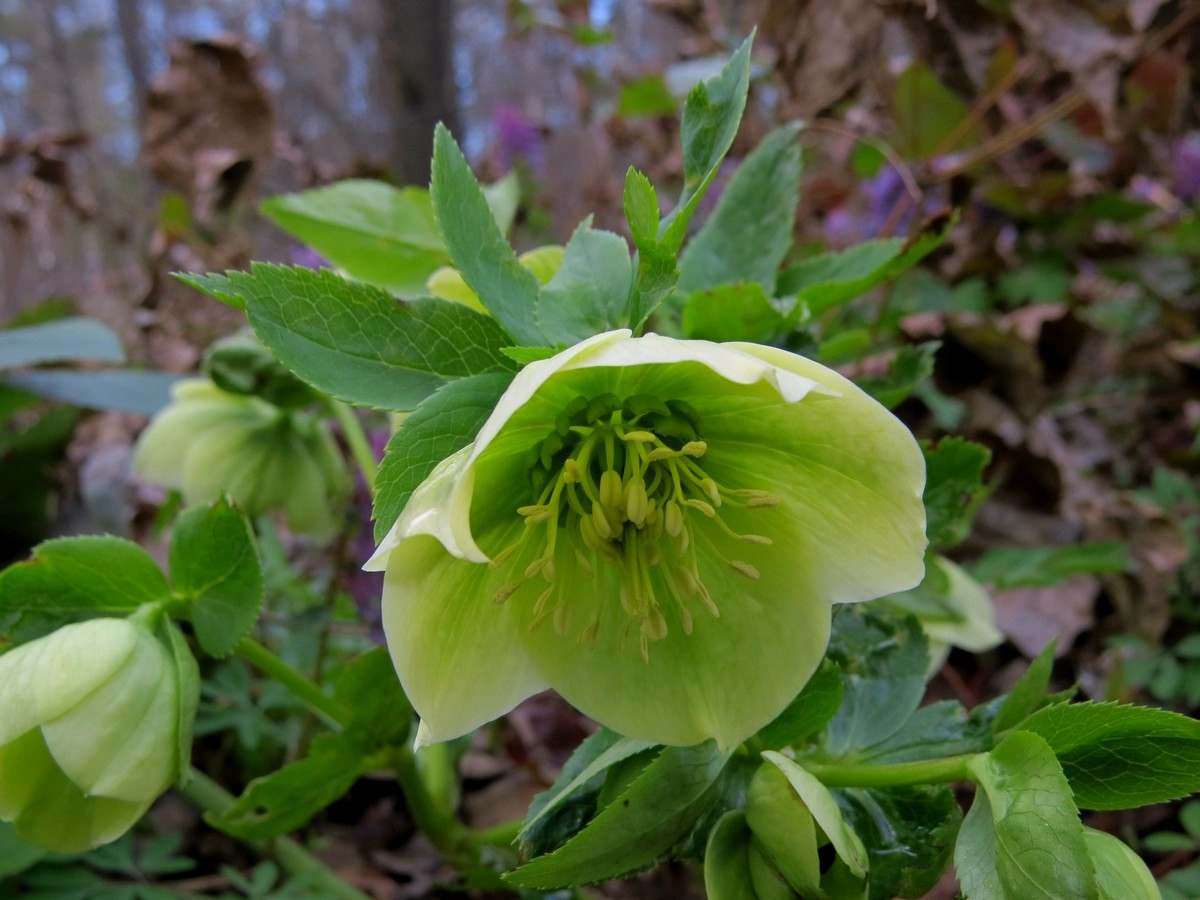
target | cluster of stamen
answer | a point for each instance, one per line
(625, 478)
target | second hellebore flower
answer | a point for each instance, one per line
(656, 529)
(268, 458)
(89, 720)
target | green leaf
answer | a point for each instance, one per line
(732, 312)
(82, 576)
(910, 368)
(64, 339)
(215, 569)
(1120, 873)
(587, 766)
(824, 808)
(953, 488)
(374, 232)
(908, 832)
(711, 115)
(645, 97)
(287, 798)
(1028, 695)
(822, 282)
(187, 685)
(638, 828)
(215, 285)
(926, 113)
(359, 343)
(883, 662)
(940, 729)
(446, 421)
(125, 390)
(726, 860)
(809, 712)
(749, 233)
(641, 208)
(1121, 757)
(1022, 838)
(1011, 567)
(371, 691)
(523, 356)
(589, 293)
(477, 247)
(17, 855)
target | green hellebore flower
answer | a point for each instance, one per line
(267, 458)
(655, 528)
(88, 724)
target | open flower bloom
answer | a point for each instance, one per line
(655, 528)
(268, 458)
(88, 732)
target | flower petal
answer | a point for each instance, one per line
(456, 652)
(727, 679)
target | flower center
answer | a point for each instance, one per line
(618, 483)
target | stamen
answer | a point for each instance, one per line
(505, 592)
(744, 568)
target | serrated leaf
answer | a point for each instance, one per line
(822, 282)
(883, 661)
(214, 285)
(711, 115)
(1028, 695)
(1120, 757)
(477, 247)
(82, 576)
(589, 293)
(446, 421)
(58, 341)
(909, 834)
(641, 208)
(940, 729)
(590, 762)
(732, 312)
(749, 233)
(1022, 837)
(911, 367)
(359, 343)
(216, 570)
(287, 798)
(953, 488)
(370, 691)
(809, 712)
(523, 356)
(373, 231)
(125, 390)
(638, 828)
(1012, 567)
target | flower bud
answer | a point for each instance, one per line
(89, 718)
(268, 459)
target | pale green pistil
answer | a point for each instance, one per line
(617, 483)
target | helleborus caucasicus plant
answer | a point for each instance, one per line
(268, 458)
(655, 528)
(88, 721)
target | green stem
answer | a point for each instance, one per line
(444, 831)
(360, 447)
(291, 856)
(931, 771)
(330, 711)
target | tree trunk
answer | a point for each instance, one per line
(416, 44)
(129, 26)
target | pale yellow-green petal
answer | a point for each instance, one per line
(977, 629)
(1120, 873)
(447, 283)
(455, 650)
(727, 679)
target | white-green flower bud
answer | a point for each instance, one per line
(88, 732)
(268, 459)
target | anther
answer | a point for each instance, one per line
(744, 568)
(536, 566)
(700, 505)
(600, 522)
(673, 518)
(759, 539)
(572, 472)
(641, 437)
(658, 454)
(694, 449)
(654, 626)
(505, 592)
(610, 489)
